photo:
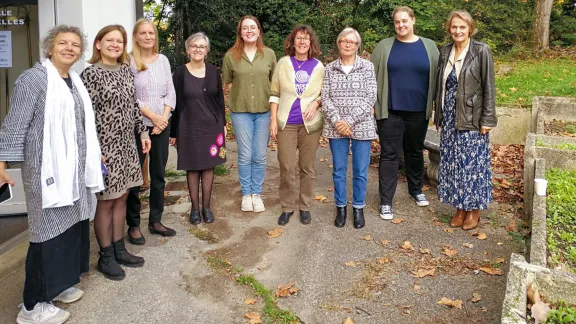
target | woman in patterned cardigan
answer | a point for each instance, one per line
(348, 95)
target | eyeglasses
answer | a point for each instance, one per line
(302, 39)
(195, 47)
(250, 28)
(348, 43)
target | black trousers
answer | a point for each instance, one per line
(133, 204)
(401, 131)
(158, 157)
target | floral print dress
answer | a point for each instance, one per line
(465, 176)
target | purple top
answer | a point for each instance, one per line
(302, 72)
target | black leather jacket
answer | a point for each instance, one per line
(476, 96)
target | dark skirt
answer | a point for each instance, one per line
(56, 265)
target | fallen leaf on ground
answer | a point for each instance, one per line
(425, 188)
(253, 317)
(480, 235)
(351, 264)
(383, 260)
(476, 297)
(406, 312)
(449, 230)
(250, 302)
(450, 303)
(397, 220)
(492, 271)
(512, 226)
(367, 237)
(320, 198)
(275, 233)
(417, 287)
(468, 245)
(513, 89)
(385, 242)
(500, 243)
(407, 246)
(540, 312)
(286, 290)
(330, 189)
(424, 251)
(422, 272)
(330, 166)
(322, 160)
(449, 251)
(500, 260)
(348, 321)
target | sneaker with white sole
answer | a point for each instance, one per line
(43, 313)
(386, 212)
(258, 203)
(247, 205)
(69, 295)
(421, 200)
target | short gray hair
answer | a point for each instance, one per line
(349, 30)
(198, 35)
(48, 41)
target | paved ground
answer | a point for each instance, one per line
(177, 285)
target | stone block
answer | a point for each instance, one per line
(513, 126)
(545, 109)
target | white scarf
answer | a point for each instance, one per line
(60, 164)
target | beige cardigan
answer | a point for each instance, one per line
(283, 92)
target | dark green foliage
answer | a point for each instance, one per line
(563, 314)
(505, 24)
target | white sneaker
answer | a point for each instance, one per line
(421, 200)
(258, 203)
(43, 313)
(69, 295)
(386, 212)
(247, 203)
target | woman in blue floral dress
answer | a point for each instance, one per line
(465, 113)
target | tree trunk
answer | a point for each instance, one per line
(542, 12)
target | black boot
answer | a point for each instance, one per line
(195, 217)
(284, 218)
(358, 217)
(208, 216)
(124, 257)
(108, 266)
(340, 220)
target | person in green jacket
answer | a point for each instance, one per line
(405, 67)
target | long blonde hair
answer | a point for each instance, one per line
(136, 51)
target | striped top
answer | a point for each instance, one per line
(154, 86)
(21, 138)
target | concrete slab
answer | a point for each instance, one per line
(177, 285)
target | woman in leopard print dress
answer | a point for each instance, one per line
(111, 89)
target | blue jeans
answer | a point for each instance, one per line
(252, 134)
(340, 148)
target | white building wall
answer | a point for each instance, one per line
(90, 16)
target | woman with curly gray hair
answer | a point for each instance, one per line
(49, 127)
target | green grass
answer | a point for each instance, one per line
(174, 174)
(561, 218)
(272, 312)
(561, 146)
(203, 234)
(221, 170)
(545, 77)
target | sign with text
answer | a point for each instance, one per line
(5, 49)
(6, 18)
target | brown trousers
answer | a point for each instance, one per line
(290, 139)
